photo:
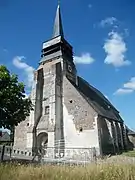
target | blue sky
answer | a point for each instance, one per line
(102, 34)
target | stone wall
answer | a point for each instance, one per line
(47, 122)
(20, 138)
(47, 119)
(80, 124)
(83, 114)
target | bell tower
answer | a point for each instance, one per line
(58, 48)
(56, 61)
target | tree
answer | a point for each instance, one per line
(14, 106)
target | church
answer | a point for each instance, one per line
(68, 112)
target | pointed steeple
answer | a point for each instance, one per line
(58, 29)
(57, 46)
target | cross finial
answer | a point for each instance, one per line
(58, 2)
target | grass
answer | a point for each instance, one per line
(92, 172)
(129, 153)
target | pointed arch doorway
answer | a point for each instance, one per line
(42, 142)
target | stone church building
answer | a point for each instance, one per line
(68, 112)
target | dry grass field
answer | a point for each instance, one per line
(101, 171)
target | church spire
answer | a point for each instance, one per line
(58, 29)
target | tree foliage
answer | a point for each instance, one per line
(14, 106)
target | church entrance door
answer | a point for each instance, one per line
(42, 141)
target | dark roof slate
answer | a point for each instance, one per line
(97, 100)
(58, 29)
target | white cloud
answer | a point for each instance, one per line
(128, 87)
(18, 62)
(123, 91)
(130, 84)
(109, 21)
(115, 48)
(85, 58)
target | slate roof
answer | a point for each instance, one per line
(97, 100)
(58, 29)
